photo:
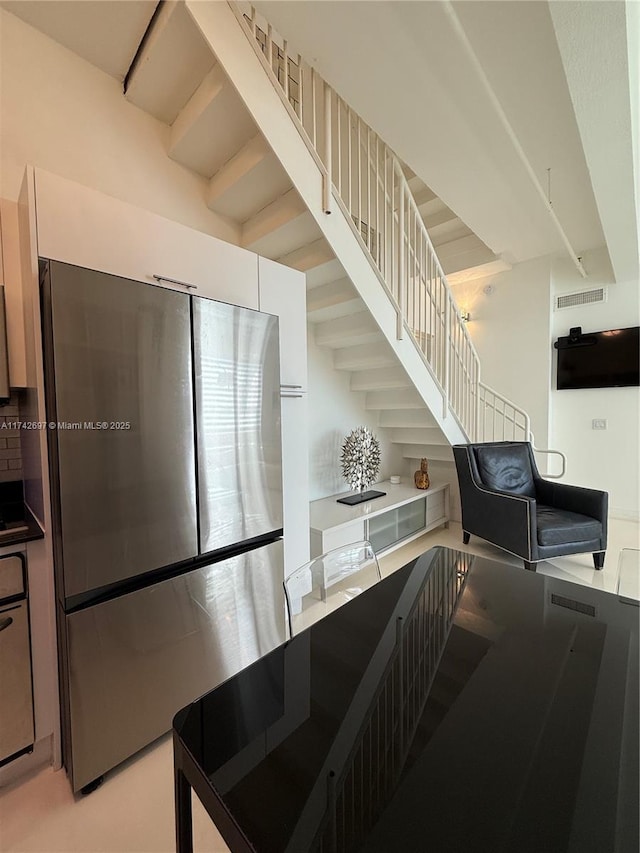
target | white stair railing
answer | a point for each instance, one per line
(364, 177)
(500, 419)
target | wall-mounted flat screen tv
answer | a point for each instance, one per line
(608, 359)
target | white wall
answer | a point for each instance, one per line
(513, 329)
(335, 410)
(608, 459)
(61, 113)
(510, 330)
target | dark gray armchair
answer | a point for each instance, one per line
(506, 501)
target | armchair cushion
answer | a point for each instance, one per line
(559, 526)
(506, 468)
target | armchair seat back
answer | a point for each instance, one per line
(506, 468)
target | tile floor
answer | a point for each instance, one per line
(132, 812)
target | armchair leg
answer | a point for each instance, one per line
(465, 537)
(598, 560)
(530, 567)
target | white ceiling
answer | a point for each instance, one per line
(474, 97)
(479, 97)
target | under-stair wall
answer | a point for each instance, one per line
(336, 411)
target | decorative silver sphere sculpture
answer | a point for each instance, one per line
(360, 458)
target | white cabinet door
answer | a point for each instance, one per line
(81, 226)
(1, 246)
(295, 478)
(13, 293)
(283, 292)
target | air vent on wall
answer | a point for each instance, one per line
(581, 297)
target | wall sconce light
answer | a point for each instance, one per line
(465, 316)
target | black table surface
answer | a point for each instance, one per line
(458, 705)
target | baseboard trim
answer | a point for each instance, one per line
(624, 514)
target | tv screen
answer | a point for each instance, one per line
(609, 359)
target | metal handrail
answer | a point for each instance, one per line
(556, 453)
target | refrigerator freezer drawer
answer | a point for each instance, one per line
(136, 660)
(16, 696)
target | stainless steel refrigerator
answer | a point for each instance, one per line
(166, 482)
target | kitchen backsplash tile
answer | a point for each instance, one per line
(10, 451)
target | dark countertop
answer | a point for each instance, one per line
(12, 511)
(459, 704)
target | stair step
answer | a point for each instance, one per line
(449, 248)
(432, 452)
(445, 216)
(415, 183)
(455, 229)
(457, 669)
(363, 357)
(247, 182)
(317, 254)
(273, 216)
(407, 418)
(325, 273)
(329, 301)
(285, 237)
(444, 691)
(468, 260)
(483, 269)
(352, 330)
(171, 64)
(415, 435)
(384, 377)
(211, 127)
(430, 206)
(401, 399)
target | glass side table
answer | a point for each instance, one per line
(628, 585)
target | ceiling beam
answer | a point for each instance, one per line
(511, 134)
(604, 90)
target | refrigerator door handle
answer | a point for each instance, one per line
(5, 623)
(175, 281)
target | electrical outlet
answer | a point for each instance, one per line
(599, 423)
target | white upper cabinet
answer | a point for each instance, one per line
(81, 226)
(283, 292)
(1, 248)
(12, 279)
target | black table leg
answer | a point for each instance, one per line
(184, 824)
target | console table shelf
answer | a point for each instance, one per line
(404, 513)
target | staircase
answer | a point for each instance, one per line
(458, 248)
(310, 185)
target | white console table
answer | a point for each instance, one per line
(403, 514)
